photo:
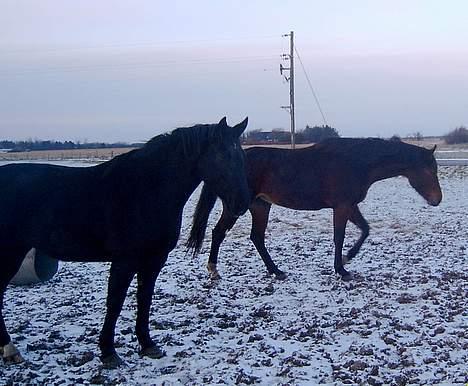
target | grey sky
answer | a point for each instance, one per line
(127, 70)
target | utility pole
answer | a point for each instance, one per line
(290, 57)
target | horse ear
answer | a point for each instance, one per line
(240, 127)
(222, 122)
(433, 149)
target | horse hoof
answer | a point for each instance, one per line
(280, 275)
(13, 359)
(153, 352)
(214, 274)
(347, 277)
(111, 361)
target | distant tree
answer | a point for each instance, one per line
(416, 136)
(7, 144)
(458, 135)
(300, 137)
(317, 133)
(395, 137)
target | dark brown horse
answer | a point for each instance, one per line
(335, 173)
(127, 211)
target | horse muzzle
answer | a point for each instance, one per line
(434, 199)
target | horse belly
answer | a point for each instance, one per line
(70, 246)
(294, 198)
(312, 204)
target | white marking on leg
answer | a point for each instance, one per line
(11, 353)
(211, 267)
(9, 350)
(214, 274)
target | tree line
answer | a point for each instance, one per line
(316, 134)
(307, 135)
(458, 135)
(31, 145)
(310, 134)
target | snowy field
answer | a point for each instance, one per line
(402, 320)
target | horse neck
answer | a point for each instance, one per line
(185, 168)
(388, 169)
(179, 170)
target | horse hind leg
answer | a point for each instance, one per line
(8, 351)
(340, 218)
(225, 223)
(357, 219)
(260, 211)
(146, 280)
(120, 277)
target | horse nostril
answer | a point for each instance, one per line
(435, 200)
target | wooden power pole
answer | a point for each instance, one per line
(290, 108)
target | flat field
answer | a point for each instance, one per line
(73, 154)
(443, 151)
(402, 320)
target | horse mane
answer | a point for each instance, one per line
(188, 140)
(373, 151)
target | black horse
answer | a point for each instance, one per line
(127, 211)
(335, 173)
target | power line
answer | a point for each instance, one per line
(311, 88)
(158, 44)
(156, 64)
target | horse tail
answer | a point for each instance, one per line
(205, 204)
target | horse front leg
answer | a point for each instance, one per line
(260, 211)
(8, 351)
(120, 277)
(340, 219)
(225, 223)
(357, 219)
(146, 280)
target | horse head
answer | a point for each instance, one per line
(222, 168)
(423, 177)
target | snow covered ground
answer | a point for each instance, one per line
(403, 320)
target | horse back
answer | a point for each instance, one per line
(87, 214)
(304, 179)
(41, 204)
